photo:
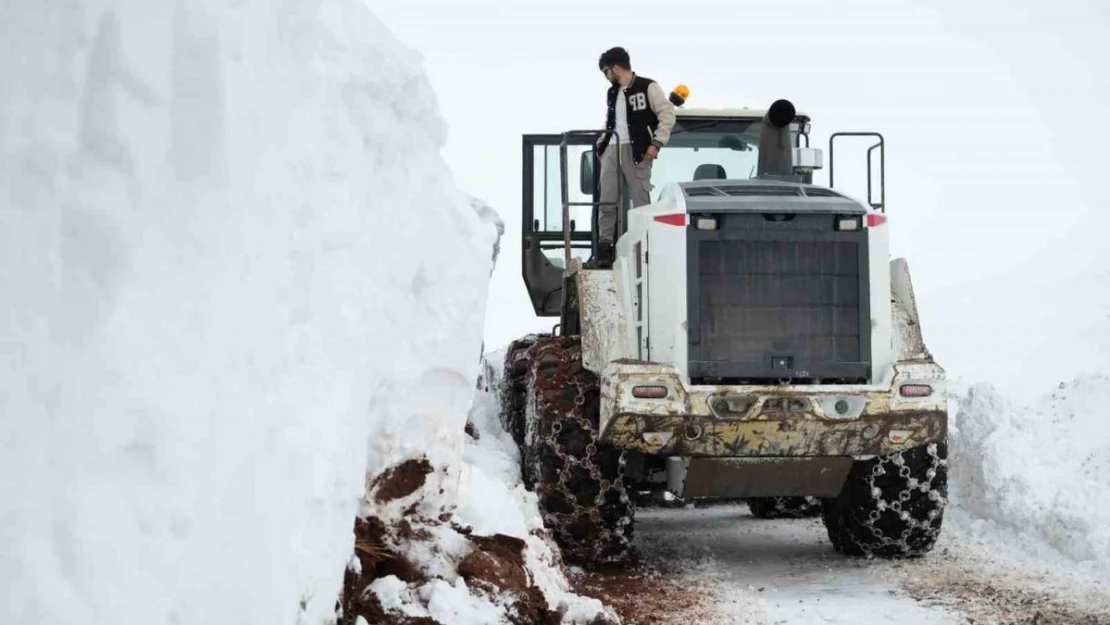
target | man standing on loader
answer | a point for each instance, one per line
(640, 117)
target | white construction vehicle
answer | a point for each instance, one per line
(753, 340)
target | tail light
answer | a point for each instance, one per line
(915, 390)
(650, 391)
(674, 219)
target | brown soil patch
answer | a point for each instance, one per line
(641, 594)
(494, 569)
(401, 480)
(530, 608)
(509, 548)
(377, 557)
(406, 531)
(986, 600)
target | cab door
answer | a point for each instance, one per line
(543, 243)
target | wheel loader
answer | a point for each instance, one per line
(752, 341)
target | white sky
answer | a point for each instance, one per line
(998, 144)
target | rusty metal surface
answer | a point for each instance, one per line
(909, 339)
(603, 319)
(770, 420)
(700, 478)
(790, 435)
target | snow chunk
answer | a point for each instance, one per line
(453, 603)
(1040, 469)
(396, 596)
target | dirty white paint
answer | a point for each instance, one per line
(603, 318)
(909, 343)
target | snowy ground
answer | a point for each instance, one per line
(755, 571)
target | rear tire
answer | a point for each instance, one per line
(582, 490)
(784, 507)
(891, 506)
(513, 386)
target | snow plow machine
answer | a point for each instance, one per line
(752, 341)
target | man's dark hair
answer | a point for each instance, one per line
(614, 56)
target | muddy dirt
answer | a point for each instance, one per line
(495, 568)
(401, 480)
(496, 572)
(373, 546)
(641, 594)
(1000, 598)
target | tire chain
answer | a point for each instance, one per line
(511, 390)
(581, 487)
(906, 490)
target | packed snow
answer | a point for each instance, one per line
(1041, 471)
(237, 275)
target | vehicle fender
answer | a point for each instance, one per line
(603, 320)
(908, 337)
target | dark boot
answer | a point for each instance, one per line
(604, 258)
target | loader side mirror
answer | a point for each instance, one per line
(586, 173)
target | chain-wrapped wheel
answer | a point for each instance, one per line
(784, 507)
(580, 483)
(513, 386)
(891, 506)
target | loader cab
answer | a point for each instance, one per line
(561, 175)
(710, 144)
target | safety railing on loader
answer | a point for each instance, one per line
(881, 204)
(595, 173)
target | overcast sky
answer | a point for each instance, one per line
(998, 144)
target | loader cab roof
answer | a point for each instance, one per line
(713, 144)
(728, 113)
(760, 195)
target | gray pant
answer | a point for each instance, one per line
(637, 186)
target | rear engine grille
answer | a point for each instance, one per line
(779, 309)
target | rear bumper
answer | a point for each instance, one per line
(770, 421)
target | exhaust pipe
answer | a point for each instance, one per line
(776, 153)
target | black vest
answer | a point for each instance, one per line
(642, 121)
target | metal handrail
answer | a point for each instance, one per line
(881, 206)
(563, 184)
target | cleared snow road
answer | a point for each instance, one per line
(720, 565)
(780, 571)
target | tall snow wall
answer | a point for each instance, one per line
(230, 257)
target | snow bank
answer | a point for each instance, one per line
(494, 500)
(230, 255)
(1041, 470)
(481, 558)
